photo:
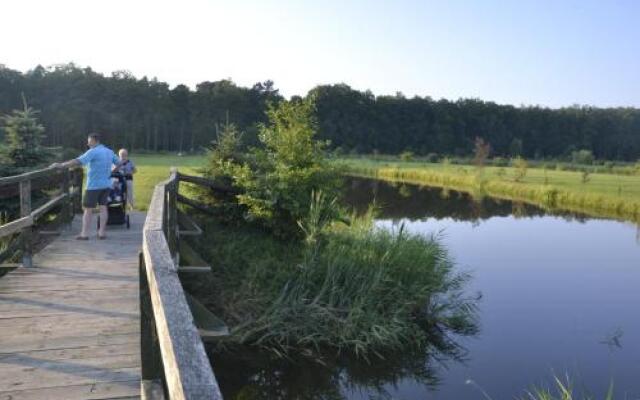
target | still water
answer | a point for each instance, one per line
(560, 296)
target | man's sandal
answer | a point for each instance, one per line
(102, 237)
(79, 237)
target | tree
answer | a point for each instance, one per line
(481, 152)
(515, 148)
(582, 157)
(278, 179)
(145, 113)
(23, 138)
(520, 166)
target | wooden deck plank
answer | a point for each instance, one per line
(80, 352)
(66, 341)
(71, 325)
(102, 390)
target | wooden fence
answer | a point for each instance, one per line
(173, 324)
(69, 183)
(174, 362)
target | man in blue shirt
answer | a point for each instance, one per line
(99, 160)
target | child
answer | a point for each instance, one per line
(128, 168)
(115, 194)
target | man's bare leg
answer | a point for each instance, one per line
(86, 222)
(103, 221)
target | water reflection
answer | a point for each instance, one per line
(248, 374)
(560, 297)
(559, 291)
(404, 201)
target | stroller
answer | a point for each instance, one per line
(117, 201)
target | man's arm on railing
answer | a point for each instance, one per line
(66, 164)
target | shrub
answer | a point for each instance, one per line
(431, 158)
(406, 156)
(582, 157)
(520, 168)
(276, 179)
(481, 152)
(500, 162)
(23, 135)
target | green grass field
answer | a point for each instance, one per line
(602, 194)
(608, 195)
(155, 168)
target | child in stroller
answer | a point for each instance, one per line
(117, 188)
(117, 201)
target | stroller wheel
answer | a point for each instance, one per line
(127, 219)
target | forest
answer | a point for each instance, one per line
(147, 114)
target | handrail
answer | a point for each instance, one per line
(174, 361)
(29, 176)
(206, 182)
(69, 197)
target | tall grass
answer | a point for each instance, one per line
(562, 391)
(353, 289)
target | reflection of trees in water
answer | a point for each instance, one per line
(518, 209)
(398, 201)
(248, 374)
(405, 191)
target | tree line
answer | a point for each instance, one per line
(148, 114)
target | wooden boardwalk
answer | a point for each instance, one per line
(70, 326)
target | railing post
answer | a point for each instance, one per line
(172, 216)
(67, 208)
(173, 224)
(25, 210)
(77, 184)
(151, 359)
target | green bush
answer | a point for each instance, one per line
(432, 158)
(23, 135)
(277, 178)
(584, 157)
(520, 166)
(500, 162)
(406, 156)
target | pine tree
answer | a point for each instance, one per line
(23, 135)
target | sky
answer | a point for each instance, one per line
(521, 52)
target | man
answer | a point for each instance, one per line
(99, 160)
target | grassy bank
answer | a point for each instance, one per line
(598, 194)
(153, 168)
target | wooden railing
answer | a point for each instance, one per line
(70, 188)
(174, 361)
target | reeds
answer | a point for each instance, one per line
(350, 289)
(562, 391)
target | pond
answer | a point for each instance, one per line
(559, 298)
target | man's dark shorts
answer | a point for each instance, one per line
(93, 198)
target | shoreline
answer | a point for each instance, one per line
(547, 197)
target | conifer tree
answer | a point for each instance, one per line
(23, 135)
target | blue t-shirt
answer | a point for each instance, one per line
(99, 160)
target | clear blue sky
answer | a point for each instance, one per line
(543, 52)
